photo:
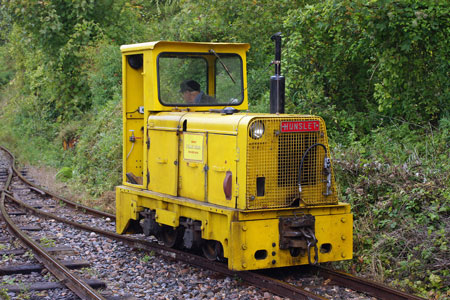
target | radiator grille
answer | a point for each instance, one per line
(273, 162)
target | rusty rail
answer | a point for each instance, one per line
(75, 284)
(261, 281)
(375, 289)
(41, 190)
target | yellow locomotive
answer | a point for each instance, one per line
(200, 172)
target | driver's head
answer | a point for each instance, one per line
(189, 89)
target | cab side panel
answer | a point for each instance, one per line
(163, 161)
(193, 166)
(222, 169)
(133, 125)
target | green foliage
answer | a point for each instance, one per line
(64, 174)
(46, 242)
(146, 258)
(70, 131)
(4, 294)
(397, 183)
(60, 32)
(98, 153)
(351, 61)
(6, 257)
(413, 52)
(6, 68)
(104, 72)
(73, 64)
(29, 254)
(22, 128)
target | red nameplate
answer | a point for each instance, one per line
(300, 126)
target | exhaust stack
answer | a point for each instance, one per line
(277, 84)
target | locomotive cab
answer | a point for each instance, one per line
(199, 171)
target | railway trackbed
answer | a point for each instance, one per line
(51, 211)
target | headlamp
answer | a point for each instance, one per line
(256, 130)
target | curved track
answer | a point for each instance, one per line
(43, 191)
(257, 279)
(71, 281)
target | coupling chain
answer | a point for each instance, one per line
(311, 241)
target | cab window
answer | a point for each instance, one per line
(229, 79)
(200, 79)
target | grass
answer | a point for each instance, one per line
(397, 184)
(46, 242)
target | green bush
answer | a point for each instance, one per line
(397, 184)
(352, 61)
(6, 68)
(98, 156)
(62, 32)
(104, 72)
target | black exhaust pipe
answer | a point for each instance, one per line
(277, 84)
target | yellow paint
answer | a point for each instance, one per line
(221, 153)
(167, 217)
(193, 147)
(184, 155)
(163, 160)
(151, 51)
(126, 209)
(192, 174)
(261, 235)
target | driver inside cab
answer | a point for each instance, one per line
(192, 94)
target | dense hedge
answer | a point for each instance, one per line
(52, 40)
(358, 61)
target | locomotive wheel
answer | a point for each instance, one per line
(212, 250)
(171, 237)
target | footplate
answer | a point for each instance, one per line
(297, 234)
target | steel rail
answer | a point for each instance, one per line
(363, 285)
(73, 282)
(71, 203)
(264, 282)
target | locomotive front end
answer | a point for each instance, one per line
(291, 214)
(276, 149)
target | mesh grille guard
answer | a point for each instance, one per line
(273, 161)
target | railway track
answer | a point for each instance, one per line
(47, 261)
(333, 285)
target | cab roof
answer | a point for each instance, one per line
(183, 46)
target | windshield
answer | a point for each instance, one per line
(200, 79)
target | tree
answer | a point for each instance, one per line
(355, 60)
